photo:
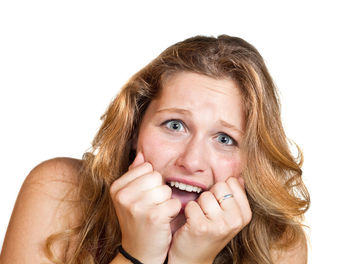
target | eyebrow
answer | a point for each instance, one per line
(175, 110)
(230, 126)
(187, 112)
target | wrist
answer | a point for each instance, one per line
(120, 259)
(172, 259)
(128, 256)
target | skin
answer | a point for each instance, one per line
(190, 134)
(150, 219)
(45, 205)
(194, 154)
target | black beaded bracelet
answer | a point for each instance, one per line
(128, 256)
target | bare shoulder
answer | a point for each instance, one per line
(65, 169)
(46, 204)
(295, 254)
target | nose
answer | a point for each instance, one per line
(193, 158)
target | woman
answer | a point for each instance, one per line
(190, 165)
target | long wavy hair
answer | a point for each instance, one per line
(272, 175)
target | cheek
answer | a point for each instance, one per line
(156, 150)
(228, 167)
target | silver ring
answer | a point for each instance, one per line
(226, 196)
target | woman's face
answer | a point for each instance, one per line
(192, 133)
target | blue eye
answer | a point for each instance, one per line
(174, 125)
(226, 140)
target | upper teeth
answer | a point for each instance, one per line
(185, 187)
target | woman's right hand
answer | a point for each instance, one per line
(144, 209)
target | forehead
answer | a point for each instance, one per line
(190, 80)
(185, 84)
(198, 93)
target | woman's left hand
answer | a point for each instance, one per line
(210, 225)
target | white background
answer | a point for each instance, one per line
(62, 62)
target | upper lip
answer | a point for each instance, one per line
(188, 182)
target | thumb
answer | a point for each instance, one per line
(139, 159)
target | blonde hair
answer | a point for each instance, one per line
(272, 175)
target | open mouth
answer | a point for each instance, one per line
(184, 192)
(185, 187)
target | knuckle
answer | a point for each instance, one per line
(157, 176)
(222, 230)
(190, 204)
(202, 228)
(237, 224)
(232, 181)
(114, 187)
(135, 209)
(215, 188)
(153, 217)
(148, 166)
(121, 197)
(167, 187)
(177, 204)
(249, 216)
(153, 178)
(167, 190)
(205, 195)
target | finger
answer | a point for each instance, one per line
(224, 196)
(170, 208)
(209, 205)
(144, 183)
(139, 159)
(232, 215)
(131, 175)
(240, 197)
(157, 195)
(230, 211)
(193, 213)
